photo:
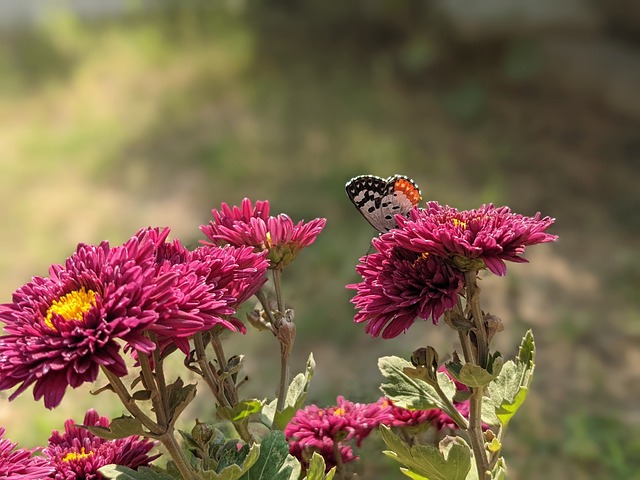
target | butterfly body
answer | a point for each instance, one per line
(379, 200)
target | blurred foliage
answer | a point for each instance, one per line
(160, 114)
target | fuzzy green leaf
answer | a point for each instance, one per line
(297, 392)
(180, 396)
(469, 374)
(268, 413)
(241, 410)
(121, 427)
(412, 475)
(412, 393)
(316, 470)
(270, 465)
(234, 472)
(282, 418)
(509, 390)
(454, 463)
(119, 472)
(500, 470)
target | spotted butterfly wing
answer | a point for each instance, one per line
(379, 200)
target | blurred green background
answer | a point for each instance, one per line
(119, 115)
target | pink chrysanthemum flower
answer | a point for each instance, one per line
(318, 429)
(77, 454)
(487, 234)
(403, 417)
(252, 226)
(399, 285)
(61, 329)
(315, 429)
(197, 290)
(365, 417)
(19, 464)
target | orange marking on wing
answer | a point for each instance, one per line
(409, 189)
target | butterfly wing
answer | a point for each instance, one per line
(379, 200)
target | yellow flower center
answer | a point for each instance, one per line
(459, 223)
(339, 412)
(71, 456)
(71, 307)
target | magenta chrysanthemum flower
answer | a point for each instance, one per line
(315, 429)
(492, 235)
(400, 285)
(365, 417)
(252, 226)
(20, 464)
(77, 454)
(403, 417)
(197, 290)
(318, 429)
(59, 330)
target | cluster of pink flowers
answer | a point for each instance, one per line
(250, 225)
(75, 454)
(329, 430)
(418, 268)
(61, 329)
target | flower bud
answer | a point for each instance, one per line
(203, 432)
(493, 325)
(286, 333)
(425, 359)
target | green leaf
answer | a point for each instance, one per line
(235, 471)
(412, 475)
(124, 473)
(469, 374)
(270, 465)
(412, 393)
(500, 470)
(509, 390)
(179, 397)
(453, 463)
(229, 454)
(317, 467)
(268, 413)
(282, 418)
(292, 464)
(296, 396)
(297, 391)
(241, 410)
(121, 427)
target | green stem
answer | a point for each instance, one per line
(475, 434)
(149, 383)
(159, 369)
(211, 378)
(452, 411)
(262, 298)
(465, 343)
(277, 285)
(284, 349)
(177, 455)
(160, 432)
(284, 376)
(473, 303)
(229, 386)
(130, 404)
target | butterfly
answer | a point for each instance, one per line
(379, 200)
